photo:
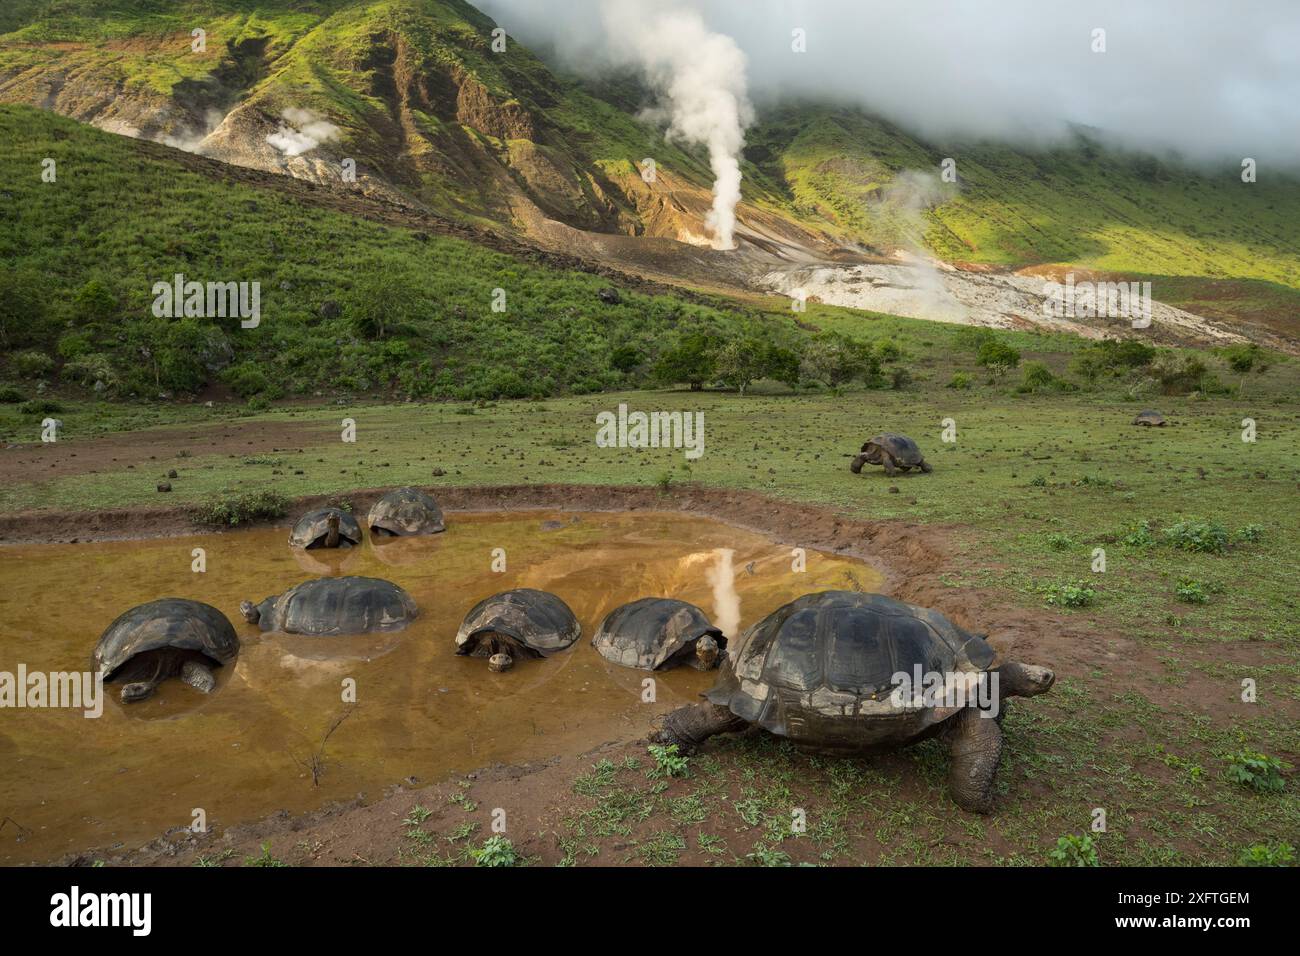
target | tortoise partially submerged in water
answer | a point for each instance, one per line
(326, 528)
(844, 672)
(895, 452)
(523, 622)
(659, 633)
(171, 637)
(348, 605)
(406, 511)
(1150, 418)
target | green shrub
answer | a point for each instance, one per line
(95, 303)
(1257, 771)
(242, 509)
(90, 368)
(1248, 534)
(74, 344)
(960, 380)
(1139, 536)
(1267, 854)
(1074, 850)
(1179, 374)
(1059, 542)
(1070, 594)
(246, 379)
(11, 396)
(668, 763)
(691, 361)
(997, 357)
(1036, 377)
(31, 364)
(1202, 537)
(1111, 356)
(1191, 592)
(22, 307)
(495, 851)
(40, 406)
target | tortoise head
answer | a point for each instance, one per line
(500, 662)
(250, 611)
(1024, 680)
(706, 652)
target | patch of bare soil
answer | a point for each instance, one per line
(34, 461)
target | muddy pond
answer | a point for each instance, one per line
(277, 733)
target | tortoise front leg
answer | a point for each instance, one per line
(690, 726)
(887, 460)
(976, 750)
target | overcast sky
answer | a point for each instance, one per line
(1212, 79)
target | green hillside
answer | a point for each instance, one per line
(347, 304)
(425, 105)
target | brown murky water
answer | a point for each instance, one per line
(70, 783)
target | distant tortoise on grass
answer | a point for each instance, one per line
(348, 605)
(326, 528)
(406, 511)
(658, 633)
(824, 671)
(171, 637)
(895, 452)
(524, 622)
(1150, 418)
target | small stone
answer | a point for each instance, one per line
(164, 486)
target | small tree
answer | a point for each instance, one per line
(998, 357)
(837, 360)
(1243, 359)
(740, 362)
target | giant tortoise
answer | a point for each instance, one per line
(170, 637)
(1149, 417)
(406, 511)
(895, 452)
(347, 605)
(524, 621)
(847, 672)
(659, 633)
(326, 528)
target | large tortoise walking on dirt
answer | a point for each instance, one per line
(659, 633)
(825, 671)
(522, 622)
(170, 637)
(895, 452)
(324, 606)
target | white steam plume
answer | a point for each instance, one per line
(701, 77)
(301, 131)
(726, 602)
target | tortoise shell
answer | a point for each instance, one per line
(902, 448)
(347, 605)
(654, 633)
(311, 529)
(536, 622)
(821, 670)
(1149, 417)
(406, 511)
(169, 622)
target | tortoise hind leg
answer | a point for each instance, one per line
(887, 460)
(976, 749)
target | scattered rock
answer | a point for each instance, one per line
(164, 486)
